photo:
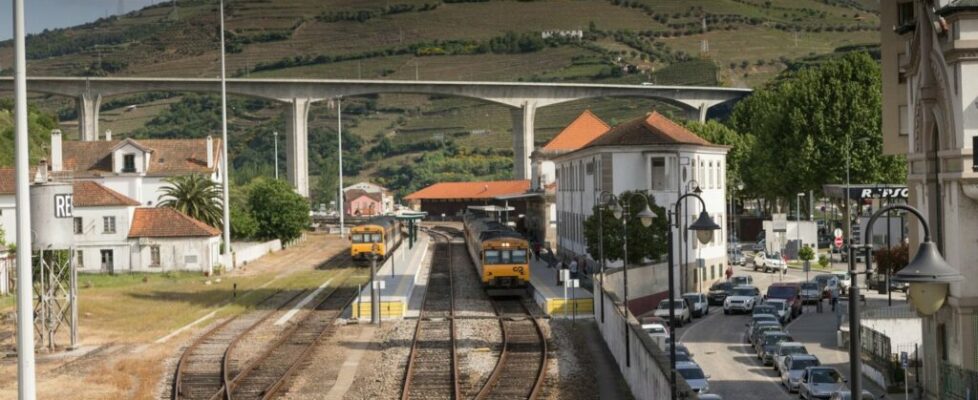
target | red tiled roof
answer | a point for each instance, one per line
(169, 156)
(353, 194)
(163, 222)
(585, 128)
(92, 194)
(7, 181)
(652, 129)
(470, 190)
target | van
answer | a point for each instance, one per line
(789, 292)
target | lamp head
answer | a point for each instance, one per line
(646, 216)
(697, 190)
(704, 227)
(929, 277)
(616, 209)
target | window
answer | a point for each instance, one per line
(376, 238)
(79, 259)
(519, 256)
(492, 257)
(129, 163)
(190, 259)
(904, 115)
(506, 257)
(710, 182)
(154, 256)
(108, 224)
(107, 264)
(905, 13)
(79, 227)
(589, 168)
(657, 171)
(356, 238)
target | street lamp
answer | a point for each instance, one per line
(691, 187)
(374, 298)
(928, 275)
(275, 135)
(704, 227)
(798, 219)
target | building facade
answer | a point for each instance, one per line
(451, 199)
(655, 155)
(367, 199)
(930, 64)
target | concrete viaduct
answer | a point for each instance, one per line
(522, 98)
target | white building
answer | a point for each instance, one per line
(135, 168)
(653, 154)
(930, 83)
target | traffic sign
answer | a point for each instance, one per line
(904, 359)
(838, 242)
(837, 232)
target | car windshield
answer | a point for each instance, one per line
(691, 373)
(781, 292)
(768, 327)
(739, 280)
(681, 357)
(764, 309)
(664, 304)
(720, 286)
(822, 279)
(787, 351)
(809, 286)
(693, 298)
(778, 305)
(743, 292)
(774, 339)
(774, 256)
(803, 363)
(655, 329)
(826, 376)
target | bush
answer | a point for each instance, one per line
(280, 212)
(823, 261)
(806, 253)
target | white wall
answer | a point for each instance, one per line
(8, 218)
(176, 254)
(245, 252)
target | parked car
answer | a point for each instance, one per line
(826, 283)
(759, 328)
(735, 256)
(793, 369)
(899, 286)
(820, 382)
(682, 313)
(810, 293)
(759, 247)
(765, 309)
(781, 309)
(742, 299)
(694, 376)
(741, 280)
(719, 291)
(709, 396)
(767, 344)
(786, 349)
(789, 292)
(700, 305)
(844, 280)
(847, 395)
(770, 262)
(656, 330)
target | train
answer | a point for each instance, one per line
(500, 254)
(378, 236)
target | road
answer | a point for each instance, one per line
(718, 346)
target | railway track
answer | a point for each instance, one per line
(266, 376)
(522, 363)
(199, 373)
(432, 369)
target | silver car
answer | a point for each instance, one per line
(794, 368)
(820, 383)
(786, 349)
(694, 376)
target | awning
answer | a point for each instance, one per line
(492, 208)
(516, 196)
(862, 192)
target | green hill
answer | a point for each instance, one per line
(689, 42)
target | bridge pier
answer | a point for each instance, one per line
(297, 145)
(88, 107)
(523, 119)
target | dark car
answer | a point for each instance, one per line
(790, 292)
(718, 292)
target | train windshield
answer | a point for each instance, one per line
(375, 238)
(519, 256)
(356, 238)
(492, 256)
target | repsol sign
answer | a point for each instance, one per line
(63, 206)
(879, 193)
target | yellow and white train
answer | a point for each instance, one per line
(500, 254)
(378, 235)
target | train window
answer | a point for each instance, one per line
(356, 238)
(492, 256)
(376, 238)
(506, 257)
(519, 256)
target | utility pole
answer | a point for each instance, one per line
(225, 195)
(341, 204)
(25, 285)
(275, 135)
(374, 304)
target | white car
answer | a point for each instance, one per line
(682, 312)
(658, 332)
(844, 280)
(770, 262)
(699, 302)
(782, 308)
(742, 299)
(786, 349)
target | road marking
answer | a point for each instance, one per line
(295, 309)
(185, 327)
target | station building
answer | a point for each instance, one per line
(451, 199)
(649, 154)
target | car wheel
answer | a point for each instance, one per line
(726, 311)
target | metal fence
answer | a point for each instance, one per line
(876, 346)
(958, 383)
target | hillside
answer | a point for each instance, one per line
(747, 43)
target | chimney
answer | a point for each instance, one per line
(210, 151)
(56, 158)
(108, 135)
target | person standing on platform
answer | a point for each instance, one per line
(573, 268)
(536, 250)
(560, 272)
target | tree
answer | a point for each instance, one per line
(804, 123)
(806, 253)
(642, 242)
(194, 195)
(243, 223)
(891, 260)
(280, 212)
(740, 145)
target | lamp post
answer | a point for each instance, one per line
(928, 274)
(684, 255)
(374, 303)
(603, 200)
(275, 135)
(798, 218)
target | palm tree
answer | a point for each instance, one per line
(194, 195)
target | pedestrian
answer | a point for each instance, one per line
(818, 304)
(560, 272)
(536, 250)
(573, 268)
(729, 272)
(834, 293)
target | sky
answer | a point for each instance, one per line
(48, 14)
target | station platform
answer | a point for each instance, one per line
(550, 296)
(399, 285)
